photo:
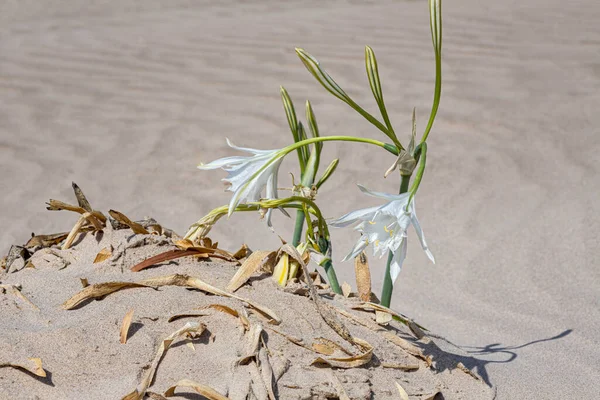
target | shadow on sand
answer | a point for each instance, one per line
(446, 358)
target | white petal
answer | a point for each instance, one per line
(364, 214)
(223, 162)
(397, 260)
(382, 195)
(417, 225)
(358, 248)
(247, 149)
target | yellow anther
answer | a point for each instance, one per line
(372, 222)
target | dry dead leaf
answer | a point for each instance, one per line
(346, 289)
(187, 314)
(84, 282)
(46, 240)
(328, 347)
(258, 260)
(403, 367)
(389, 336)
(363, 276)
(368, 306)
(266, 372)
(103, 254)
(140, 391)
(162, 257)
(125, 326)
(34, 366)
(122, 218)
(349, 362)
(403, 394)
(204, 390)
(192, 282)
(383, 318)
(339, 388)
(252, 344)
(16, 290)
(243, 252)
(99, 290)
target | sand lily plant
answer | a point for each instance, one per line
(384, 227)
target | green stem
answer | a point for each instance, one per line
(388, 285)
(391, 148)
(332, 277)
(298, 228)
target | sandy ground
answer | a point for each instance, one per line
(126, 99)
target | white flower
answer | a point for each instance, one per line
(242, 169)
(385, 227)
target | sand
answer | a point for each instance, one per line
(84, 356)
(126, 99)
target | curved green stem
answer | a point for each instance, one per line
(435, 18)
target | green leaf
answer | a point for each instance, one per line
(375, 83)
(322, 76)
(330, 170)
(312, 124)
(435, 22)
(290, 113)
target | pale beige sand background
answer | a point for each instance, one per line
(126, 98)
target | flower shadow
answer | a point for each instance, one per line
(448, 356)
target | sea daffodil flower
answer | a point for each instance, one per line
(246, 179)
(385, 227)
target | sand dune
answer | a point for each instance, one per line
(126, 99)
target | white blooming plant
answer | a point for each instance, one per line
(384, 227)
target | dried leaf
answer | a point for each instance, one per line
(188, 281)
(162, 257)
(85, 217)
(34, 366)
(322, 348)
(293, 339)
(140, 391)
(187, 314)
(125, 326)
(346, 289)
(135, 227)
(382, 318)
(84, 282)
(257, 261)
(339, 388)
(233, 312)
(266, 372)
(81, 199)
(46, 240)
(243, 252)
(16, 290)
(204, 390)
(403, 394)
(327, 347)
(416, 329)
(349, 362)
(206, 247)
(252, 344)
(363, 276)
(378, 307)
(390, 336)
(99, 290)
(103, 254)
(403, 367)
